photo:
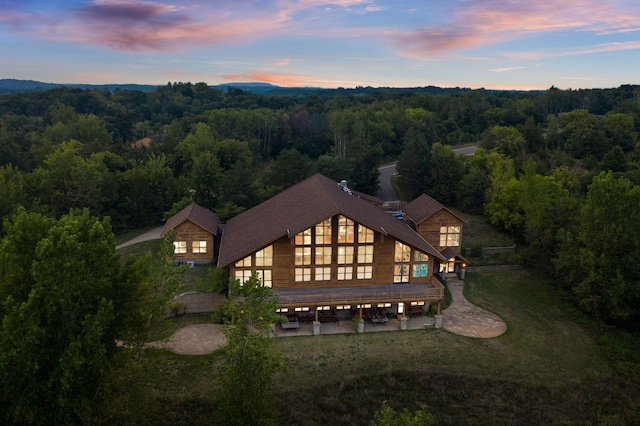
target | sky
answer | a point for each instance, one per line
(507, 44)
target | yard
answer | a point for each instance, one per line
(546, 369)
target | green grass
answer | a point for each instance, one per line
(548, 368)
(477, 230)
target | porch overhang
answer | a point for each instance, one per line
(333, 296)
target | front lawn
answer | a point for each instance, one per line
(546, 369)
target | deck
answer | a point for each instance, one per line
(332, 296)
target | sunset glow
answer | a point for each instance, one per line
(513, 44)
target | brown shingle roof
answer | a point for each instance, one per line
(302, 206)
(423, 207)
(202, 217)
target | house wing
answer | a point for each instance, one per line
(302, 206)
(423, 207)
(202, 217)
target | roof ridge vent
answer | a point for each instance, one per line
(343, 185)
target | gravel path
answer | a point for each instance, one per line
(464, 318)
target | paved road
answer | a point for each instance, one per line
(153, 234)
(467, 150)
(386, 192)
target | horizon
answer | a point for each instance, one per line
(474, 44)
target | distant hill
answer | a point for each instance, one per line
(9, 85)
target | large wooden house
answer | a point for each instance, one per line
(441, 228)
(195, 234)
(323, 247)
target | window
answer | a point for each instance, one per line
(179, 247)
(264, 257)
(323, 273)
(323, 232)
(419, 256)
(199, 247)
(323, 256)
(365, 272)
(401, 273)
(365, 254)
(420, 270)
(345, 254)
(303, 256)
(449, 236)
(243, 275)
(303, 238)
(244, 263)
(345, 273)
(365, 235)
(402, 252)
(303, 274)
(345, 230)
(420, 267)
(265, 277)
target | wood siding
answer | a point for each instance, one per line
(430, 228)
(190, 232)
(283, 269)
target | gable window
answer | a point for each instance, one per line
(303, 255)
(402, 252)
(345, 230)
(264, 257)
(365, 235)
(199, 247)
(420, 264)
(323, 232)
(179, 247)
(345, 254)
(449, 236)
(401, 257)
(259, 262)
(303, 238)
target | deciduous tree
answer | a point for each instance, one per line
(248, 363)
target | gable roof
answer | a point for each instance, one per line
(202, 217)
(302, 206)
(423, 207)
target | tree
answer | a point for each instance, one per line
(66, 299)
(387, 416)
(444, 175)
(600, 256)
(248, 364)
(413, 164)
(506, 140)
(289, 168)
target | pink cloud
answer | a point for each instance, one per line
(493, 22)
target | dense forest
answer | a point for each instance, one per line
(558, 170)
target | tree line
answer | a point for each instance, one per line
(137, 157)
(559, 170)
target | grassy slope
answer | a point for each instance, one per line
(546, 369)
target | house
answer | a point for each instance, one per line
(327, 253)
(439, 227)
(196, 231)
